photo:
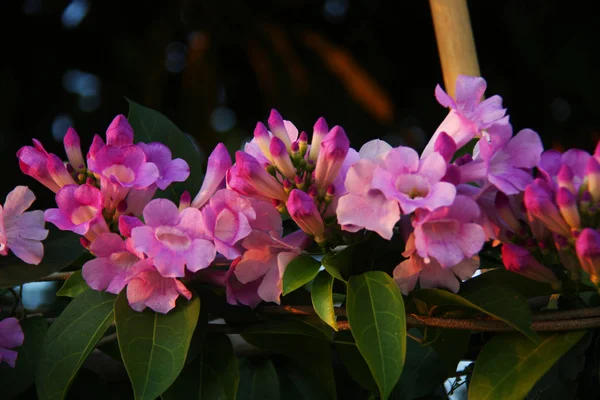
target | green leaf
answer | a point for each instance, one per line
(153, 345)
(212, 375)
(73, 286)
(70, 340)
(299, 272)
(298, 340)
(354, 362)
(509, 366)
(501, 277)
(334, 261)
(297, 384)
(378, 322)
(450, 346)
(497, 301)
(258, 380)
(17, 380)
(151, 126)
(61, 249)
(322, 298)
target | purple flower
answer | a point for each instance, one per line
(304, 212)
(448, 234)
(20, 231)
(173, 239)
(79, 210)
(552, 161)
(588, 252)
(110, 269)
(169, 170)
(146, 287)
(219, 162)
(468, 116)
(519, 260)
(11, 336)
(539, 201)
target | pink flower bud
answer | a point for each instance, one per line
(506, 212)
(97, 144)
(593, 178)
(445, 145)
(287, 185)
(319, 131)
(127, 223)
(281, 158)
(185, 200)
(263, 139)
(277, 127)
(295, 148)
(539, 204)
(247, 174)
(73, 150)
(303, 211)
(33, 162)
(119, 132)
(303, 143)
(58, 171)
(334, 149)
(452, 175)
(219, 163)
(567, 204)
(564, 178)
(588, 252)
(519, 260)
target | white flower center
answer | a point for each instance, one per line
(121, 172)
(83, 214)
(173, 238)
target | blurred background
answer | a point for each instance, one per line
(215, 68)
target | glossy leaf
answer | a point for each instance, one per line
(70, 339)
(353, 361)
(497, 301)
(509, 366)
(378, 322)
(258, 380)
(213, 374)
(299, 272)
(151, 126)
(153, 345)
(73, 286)
(61, 249)
(15, 381)
(322, 298)
(501, 277)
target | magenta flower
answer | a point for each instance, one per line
(519, 260)
(119, 132)
(20, 231)
(33, 161)
(449, 234)
(468, 116)
(588, 252)
(73, 150)
(11, 336)
(169, 170)
(320, 130)
(114, 257)
(281, 158)
(97, 144)
(79, 210)
(334, 149)
(235, 291)
(552, 162)
(148, 288)
(219, 162)
(266, 259)
(304, 212)
(284, 130)
(173, 239)
(539, 201)
(249, 178)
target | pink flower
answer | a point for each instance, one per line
(284, 130)
(552, 161)
(320, 130)
(79, 210)
(97, 144)
(588, 252)
(219, 162)
(281, 158)
(519, 260)
(173, 239)
(73, 149)
(432, 274)
(115, 257)
(148, 288)
(265, 260)
(448, 234)
(468, 116)
(169, 170)
(249, 178)
(20, 231)
(119, 132)
(539, 201)
(236, 292)
(33, 161)
(11, 336)
(304, 212)
(334, 149)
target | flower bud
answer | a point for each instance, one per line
(319, 131)
(564, 178)
(277, 127)
(540, 206)
(287, 185)
(517, 259)
(299, 182)
(593, 178)
(251, 173)
(334, 149)
(505, 212)
(119, 132)
(97, 144)
(588, 252)
(263, 139)
(303, 211)
(185, 200)
(445, 146)
(303, 143)
(73, 150)
(58, 171)
(310, 166)
(281, 158)
(567, 204)
(329, 194)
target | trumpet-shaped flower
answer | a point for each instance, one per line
(73, 149)
(119, 133)
(304, 212)
(169, 170)
(11, 336)
(33, 161)
(521, 261)
(588, 252)
(249, 178)
(334, 149)
(219, 162)
(22, 232)
(174, 239)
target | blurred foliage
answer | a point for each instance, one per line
(216, 68)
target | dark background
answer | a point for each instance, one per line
(217, 67)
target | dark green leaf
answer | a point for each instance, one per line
(509, 366)
(450, 346)
(376, 315)
(17, 380)
(322, 298)
(526, 287)
(61, 249)
(299, 341)
(296, 384)
(497, 301)
(153, 345)
(213, 375)
(70, 340)
(73, 286)
(354, 362)
(258, 380)
(334, 261)
(151, 126)
(299, 272)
